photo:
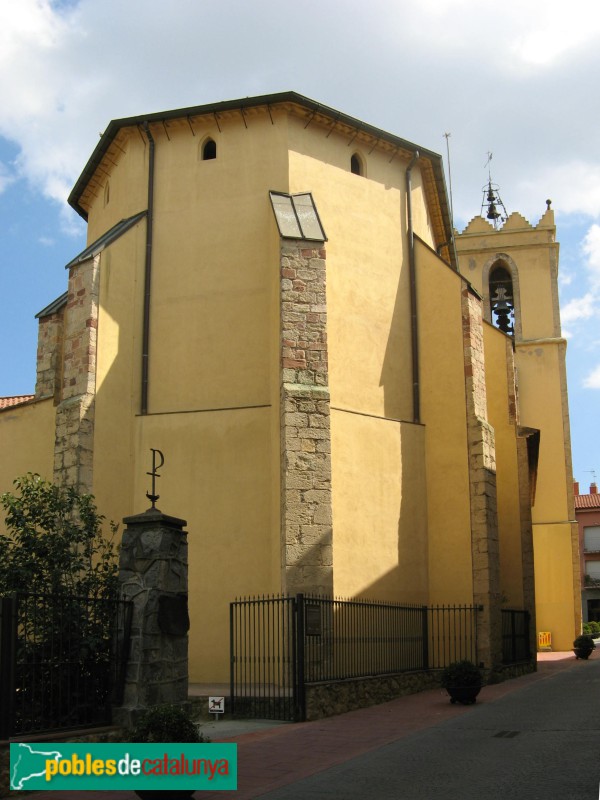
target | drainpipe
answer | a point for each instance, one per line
(147, 273)
(412, 278)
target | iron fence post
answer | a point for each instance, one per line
(124, 615)
(477, 610)
(231, 661)
(8, 632)
(300, 688)
(425, 634)
(513, 634)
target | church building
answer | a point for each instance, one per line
(351, 400)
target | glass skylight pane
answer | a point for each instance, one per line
(285, 216)
(307, 214)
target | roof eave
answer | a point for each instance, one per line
(250, 102)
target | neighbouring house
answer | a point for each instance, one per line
(350, 399)
(587, 513)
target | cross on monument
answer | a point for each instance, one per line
(156, 454)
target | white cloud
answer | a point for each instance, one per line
(582, 314)
(6, 177)
(573, 185)
(417, 69)
(565, 279)
(557, 32)
(521, 35)
(580, 308)
(591, 248)
(592, 381)
(516, 80)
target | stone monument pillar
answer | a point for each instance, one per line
(154, 575)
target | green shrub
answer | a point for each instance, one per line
(53, 553)
(461, 673)
(587, 629)
(54, 542)
(584, 642)
(165, 724)
(594, 628)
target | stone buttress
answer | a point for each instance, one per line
(306, 522)
(482, 478)
(74, 442)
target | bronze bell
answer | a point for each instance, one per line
(492, 213)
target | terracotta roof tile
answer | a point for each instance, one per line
(587, 501)
(17, 400)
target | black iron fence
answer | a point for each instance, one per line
(515, 636)
(62, 661)
(355, 638)
(266, 674)
(281, 644)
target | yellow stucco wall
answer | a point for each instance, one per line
(367, 281)
(118, 371)
(379, 508)
(541, 407)
(213, 377)
(556, 610)
(26, 442)
(212, 299)
(542, 392)
(507, 475)
(124, 192)
(378, 488)
(557, 606)
(218, 476)
(442, 391)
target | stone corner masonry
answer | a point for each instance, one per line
(306, 521)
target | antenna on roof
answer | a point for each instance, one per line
(592, 472)
(492, 200)
(447, 137)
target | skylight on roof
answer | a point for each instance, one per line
(297, 216)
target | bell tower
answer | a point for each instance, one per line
(514, 266)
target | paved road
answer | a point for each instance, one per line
(534, 737)
(540, 741)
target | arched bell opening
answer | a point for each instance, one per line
(502, 299)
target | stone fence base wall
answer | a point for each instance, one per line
(505, 673)
(329, 699)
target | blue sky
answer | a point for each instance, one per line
(519, 80)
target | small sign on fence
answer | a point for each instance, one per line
(216, 705)
(313, 619)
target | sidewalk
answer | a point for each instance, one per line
(273, 755)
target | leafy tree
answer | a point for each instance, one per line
(54, 542)
(64, 570)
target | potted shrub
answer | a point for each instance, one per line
(583, 646)
(462, 680)
(165, 724)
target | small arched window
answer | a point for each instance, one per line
(502, 299)
(209, 150)
(356, 165)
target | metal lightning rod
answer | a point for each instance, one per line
(447, 137)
